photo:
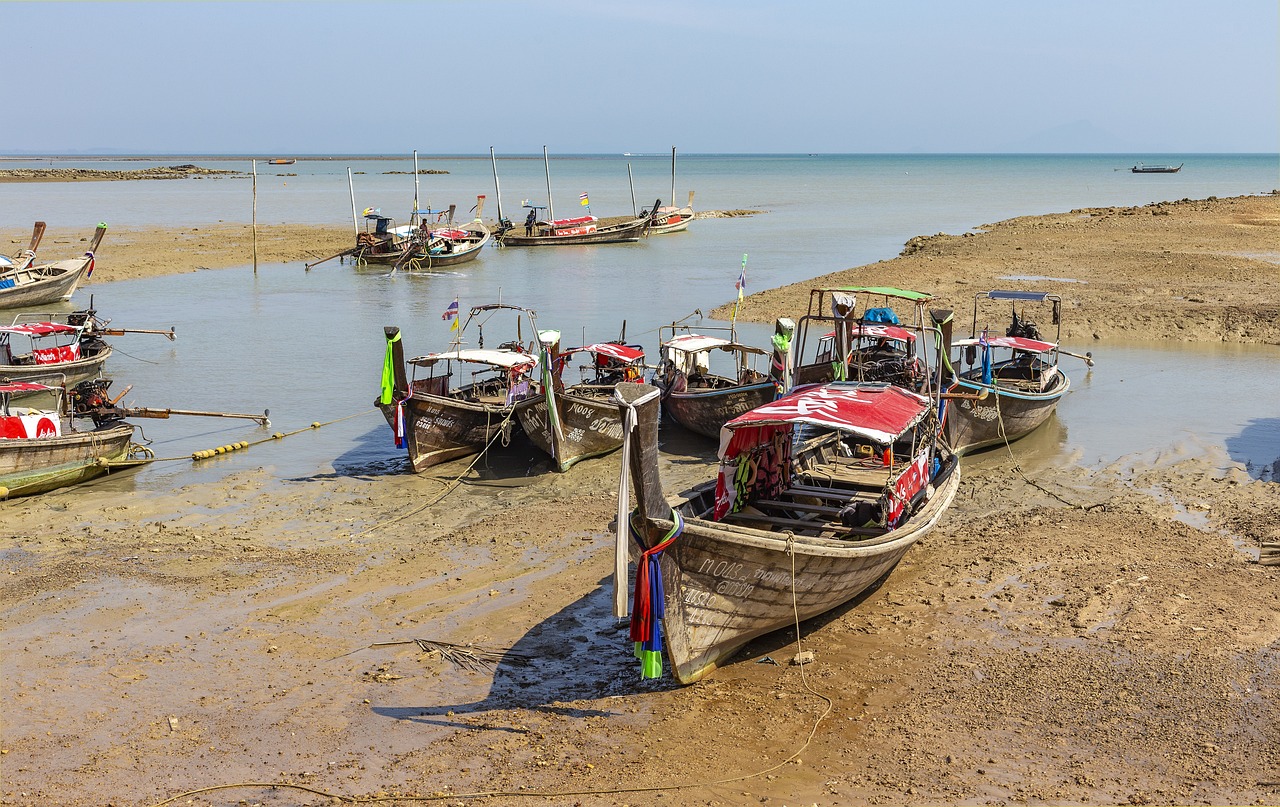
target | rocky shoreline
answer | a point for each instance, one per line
(187, 171)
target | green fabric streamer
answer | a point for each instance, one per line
(389, 373)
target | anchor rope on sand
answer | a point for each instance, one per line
(453, 484)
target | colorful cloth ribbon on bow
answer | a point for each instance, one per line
(649, 603)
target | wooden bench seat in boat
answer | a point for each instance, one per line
(798, 524)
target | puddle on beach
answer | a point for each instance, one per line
(1042, 278)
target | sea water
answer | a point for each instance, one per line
(309, 345)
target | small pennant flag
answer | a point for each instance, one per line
(583, 200)
(451, 315)
(741, 284)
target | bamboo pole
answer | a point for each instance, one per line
(673, 177)
(255, 217)
(631, 181)
(497, 191)
(355, 222)
(551, 207)
(413, 217)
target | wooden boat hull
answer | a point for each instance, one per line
(428, 261)
(676, 222)
(47, 283)
(705, 410)
(71, 372)
(590, 425)
(39, 465)
(1004, 416)
(726, 584)
(439, 429)
(614, 234)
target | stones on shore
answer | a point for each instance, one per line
(91, 174)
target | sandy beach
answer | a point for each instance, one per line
(1067, 636)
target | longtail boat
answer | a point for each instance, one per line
(42, 450)
(669, 218)
(550, 231)
(818, 496)
(855, 333)
(469, 397)
(702, 397)
(1008, 384)
(572, 420)
(1141, 168)
(27, 284)
(441, 243)
(62, 349)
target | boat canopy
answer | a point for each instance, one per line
(878, 412)
(41, 329)
(1031, 296)
(887, 291)
(506, 359)
(872, 330)
(623, 353)
(10, 387)
(1011, 342)
(697, 343)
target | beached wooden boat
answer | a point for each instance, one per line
(1011, 384)
(1156, 169)
(854, 333)
(668, 218)
(698, 397)
(382, 241)
(41, 450)
(818, 496)
(39, 284)
(55, 352)
(550, 231)
(24, 259)
(575, 420)
(59, 350)
(469, 398)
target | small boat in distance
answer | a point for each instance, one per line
(550, 231)
(1141, 168)
(668, 218)
(289, 161)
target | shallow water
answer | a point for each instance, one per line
(309, 345)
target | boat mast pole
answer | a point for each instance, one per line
(673, 177)
(631, 181)
(551, 208)
(413, 217)
(355, 222)
(497, 191)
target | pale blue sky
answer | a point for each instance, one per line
(1149, 76)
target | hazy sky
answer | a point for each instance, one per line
(584, 76)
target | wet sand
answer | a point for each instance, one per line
(1094, 636)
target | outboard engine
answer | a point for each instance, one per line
(89, 399)
(1024, 328)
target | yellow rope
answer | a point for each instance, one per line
(275, 436)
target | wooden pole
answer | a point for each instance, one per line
(497, 191)
(631, 181)
(355, 222)
(551, 208)
(255, 217)
(673, 177)
(413, 217)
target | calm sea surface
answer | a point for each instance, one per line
(309, 345)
